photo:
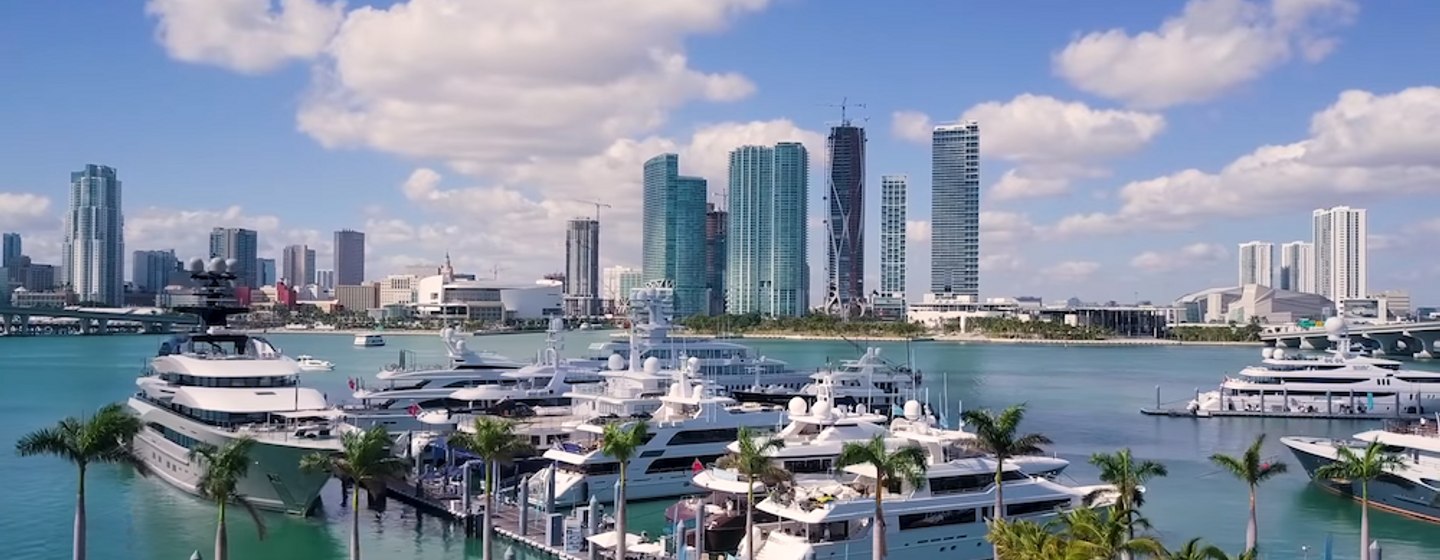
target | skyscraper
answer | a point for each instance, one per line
(1257, 263)
(582, 267)
(1340, 253)
(766, 262)
(150, 270)
(673, 236)
(349, 258)
(1297, 267)
(716, 228)
(845, 222)
(325, 279)
(297, 265)
(10, 261)
(240, 244)
(955, 209)
(94, 266)
(892, 235)
(617, 283)
(265, 272)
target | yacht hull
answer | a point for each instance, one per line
(1391, 492)
(275, 481)
(574, 490)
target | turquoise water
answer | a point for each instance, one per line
(1084, 398)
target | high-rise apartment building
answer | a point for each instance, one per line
(1257, 263)
(349, 257)
(893, 198)
(297, 265)
(845, 220)
(1297, 267)
(1340, 253)
(265, 272)
(10, 262)
(767, 264)
(617, 283)
(716, 227)
(955, 209)
(94, 266)
(673, 236)
(242, 245)
(582, 267)
(150, 271)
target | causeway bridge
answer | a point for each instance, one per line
(55, 320)
(1392, 339)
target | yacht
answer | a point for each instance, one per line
(1412, 490)
(369, 340)
(1339, 382)
(869, 381)
(405, 388)
(216, 386)
(690, 424)
(311, 363)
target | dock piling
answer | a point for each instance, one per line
(550, 488)
(524, 500)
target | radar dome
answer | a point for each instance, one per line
(860, 409)
(616, 363)
(1336, 326)
(557, 324)
(912, 410)
(216, 265)
(197, 265)
(460, 346)
(652, 365)
(694, 364)
(1267, 352)
(821, 408)
(698, 393)
(230, 264)
(797, 406)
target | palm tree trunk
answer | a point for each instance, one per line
(1252, 532)
(355, 520)
(222, 540)
(877, 542)
(749, 521)
(78, 553)
(1365, 520)
(487, 551)
(620, 517)
(999, 499)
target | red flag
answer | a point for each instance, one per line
(352, 383)
(413, 409)
(697, 466)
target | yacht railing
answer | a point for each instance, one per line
(1423, 428)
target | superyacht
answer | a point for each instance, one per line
(216, 386)
(1411, 490)
(869, 381)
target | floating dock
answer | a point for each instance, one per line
(1184, 413)
(532, 534)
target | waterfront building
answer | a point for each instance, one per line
(893, 196)
(617, 283)
(240, 244)
(266, 272)
(582, 267)
(1340, 252)
(10, 257)
(94, 240)
(673, 232)
(37, 277)
(1257, 263)
(845, 221)
(398, 289)
(766, 260)
(1297, 267)
(450, 297)
(1396, 302)
(150, 271)
(297, 265)
(1240, 304)
(363, 297)
(955, 209)
(716, 256)
(349, 257)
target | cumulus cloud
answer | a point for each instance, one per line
(917, 231)
(20, 211)
(250, 36)
(1005, 228)
(1212, 47)
(186, 231)
(1001, 262)
(1195, 254)
(914, 126)
(1306, 174)
(1071, 271)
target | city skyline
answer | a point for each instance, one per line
(1098, 180)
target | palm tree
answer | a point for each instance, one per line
(1129, 477)
(365, 459)
(996, 435)
(495, 441)
(905, 464)
(1026, 540)
(620, 442)
(224, 467)
(1105, 535)
(1196, 549)
(753, 462)
(102, 438)
(1251, 469)
(1363, 468)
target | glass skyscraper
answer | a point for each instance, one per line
(768, 197)
(845, 222)
(955, 209)
(150, 270)
(892, 235)
(349, 258)
(673, 236)
(94, 237)
(716, 222)
(242, 245)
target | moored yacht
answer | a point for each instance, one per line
(869, 381)
(369, 340)
(1413, 489)
(217, 386)
(311, 363)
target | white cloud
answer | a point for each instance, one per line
(1001, 262)
(914, 126)
(1005, 228)
(1212, 47)
(1307, 174)
(1039, 181)
(917, 231)
(1037, 128)
(1195, 254)
(248, 36)
(21, 211)
(187, 231)
(1071, 271)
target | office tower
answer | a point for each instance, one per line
(266, 272)
(349, 257)
(673, 236)
(1297, 267)
(325, 279)
(94, 240)
(150, 270)
(1340, 252)
(240, 244)
(297, 265)
(1257, 266)
(845, 223)
(582, 267)
(955, 209)
(10, 262)
(766, 261)
(716, 227)
(892, 235)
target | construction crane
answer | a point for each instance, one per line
(594, 203)
(844, 106)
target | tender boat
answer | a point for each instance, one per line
(369, 340)
(311, 363)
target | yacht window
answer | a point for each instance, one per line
(1047, 506)
(963, 483)
(808, 466)
(691, 437)
(937, 519)
(599, 468)
(677, 464)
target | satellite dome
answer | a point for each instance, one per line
(694, 364)
(460, 346)
(797, 406)
(860, 409)
(230, 264)
(1337, 326)
(196, 266)
(912, 410)
(652, 365)
(216, 265)
(1267, 352)
(698, 393)
(821, 408)
(616, 363)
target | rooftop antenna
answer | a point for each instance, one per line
(597, 204)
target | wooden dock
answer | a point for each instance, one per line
(1184, 413)
(506, 518)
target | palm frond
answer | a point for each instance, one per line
(1231, 464)
(260, 529)
(47, 441)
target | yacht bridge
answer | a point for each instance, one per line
(17, 320)
(1392, 339)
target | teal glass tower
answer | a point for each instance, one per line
(673, 236)
(767, 266)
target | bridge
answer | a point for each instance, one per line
(1392, 339)
(18, 320)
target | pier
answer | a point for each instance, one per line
(1337, 406)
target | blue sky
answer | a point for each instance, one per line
(474, 126)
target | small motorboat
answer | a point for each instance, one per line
(311, 363)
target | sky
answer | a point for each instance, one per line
(1127, 147)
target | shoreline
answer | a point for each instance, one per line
(979, 339)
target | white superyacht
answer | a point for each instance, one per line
(1412, 489)
(218, 386)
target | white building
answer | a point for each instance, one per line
(1396, 302)
(1297, 267)
(398, 289)
(891, 301)
(1239, 304)
(1340, 252)
(94, 243)
(615, 286)
(933, 310)
(485, 300)
(1257, 263)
